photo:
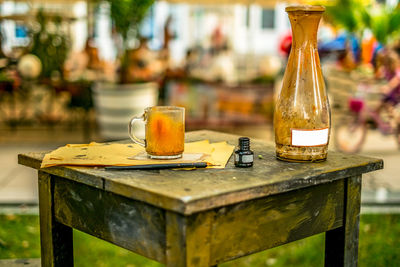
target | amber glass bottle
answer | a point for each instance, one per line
(302, 113)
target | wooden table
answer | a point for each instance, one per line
(207, 216)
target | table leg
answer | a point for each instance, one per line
(188, 239)
(55, 238)
(341, 244)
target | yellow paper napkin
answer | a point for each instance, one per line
(109, 154)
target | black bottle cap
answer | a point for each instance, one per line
(244, 143)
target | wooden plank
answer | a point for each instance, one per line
(198, 244)
(189, 192)
(55, 238)
(341, 244)
(79, 174)
(188, 239)
(131, 224)
(176, 240)
(256, 225)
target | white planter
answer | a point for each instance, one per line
(116, 104)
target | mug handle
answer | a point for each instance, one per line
(130, 126)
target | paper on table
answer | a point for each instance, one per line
(109, 154)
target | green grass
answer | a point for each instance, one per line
(19, 237)
(379, 246)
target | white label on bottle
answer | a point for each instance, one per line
(247, 158)
(310, 137)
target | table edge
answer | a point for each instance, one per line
(188, 206)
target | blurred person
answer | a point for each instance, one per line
(75, 66)
(219, 41)
(215, 64)
(346, 49)
(389, 69)
(3, 58)
(92, 52)
(222, 67)
(349, 58)
(191, 60)
(165, 53)
(368, 47)
(168, 34)
(285, 44)
(143, 64)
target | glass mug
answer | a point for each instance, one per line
(164, 131)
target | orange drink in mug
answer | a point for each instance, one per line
(164, 131)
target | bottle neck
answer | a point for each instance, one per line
(304, 28)
(244, 143)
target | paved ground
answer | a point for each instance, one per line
(385, 147)
(18, 183)
(20, 263)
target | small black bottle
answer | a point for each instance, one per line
(244, 157)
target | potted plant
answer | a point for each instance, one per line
(116, 103)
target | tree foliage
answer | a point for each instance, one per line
(50, 46)
(128, 14)
(355, 16)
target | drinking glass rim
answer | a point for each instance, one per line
(164, 108)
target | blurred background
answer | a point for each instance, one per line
(77, 71)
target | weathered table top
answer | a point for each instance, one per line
(189, 192)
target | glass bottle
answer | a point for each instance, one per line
(302, 113)
(244, 157)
